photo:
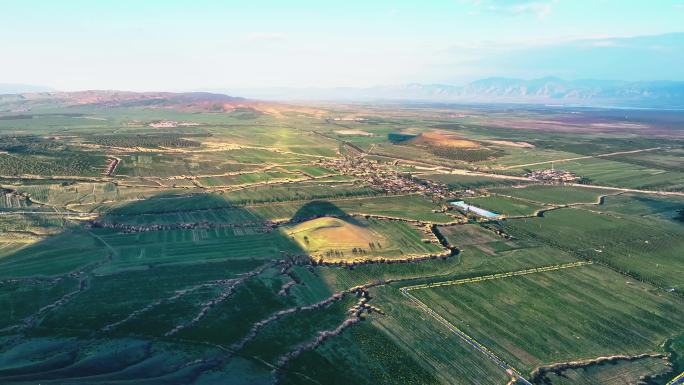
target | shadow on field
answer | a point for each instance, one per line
(143, 294)
(317, 209)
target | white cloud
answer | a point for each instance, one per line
(538, 8)
(541, 10)
(266, 36)
(605, 43)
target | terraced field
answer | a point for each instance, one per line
(269, 245)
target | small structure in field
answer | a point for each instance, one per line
(466, 208)
(171, 124)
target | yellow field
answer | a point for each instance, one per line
(320, 235)
(443, 140)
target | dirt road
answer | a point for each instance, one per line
(581, 157)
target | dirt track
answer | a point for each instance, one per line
(581, 157)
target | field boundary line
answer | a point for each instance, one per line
(470, 340)
(496, 276)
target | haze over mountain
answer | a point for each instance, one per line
(548, 90)
(654, 94)
(185, 101)
(17, 88)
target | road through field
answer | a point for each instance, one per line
(581, 157)
(460, 171)
(442, 169)
(594, 186)
(622, 189)
(470, 340)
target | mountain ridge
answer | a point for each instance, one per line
(498, 90)
(545, 90)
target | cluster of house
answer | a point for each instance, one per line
(171, 124)
(345, 119)
(382, 176)
(255, 226)
(552, 176)
(112, 163)
(10, 195)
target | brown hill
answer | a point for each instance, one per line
(441, 139)
(185, 101)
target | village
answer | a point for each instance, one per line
(552, 176)
(171, 124)
(379, 175)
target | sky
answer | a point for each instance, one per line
(175, 45)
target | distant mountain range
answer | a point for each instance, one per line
(189, 101)
(140, 99)
(16, 88)
(550, 90)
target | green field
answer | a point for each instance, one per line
(604, 171)
(267, 244)
(358, 239)
(193, 246)
(556, 195)
(471, 181)
(519, 318)
(614, 373)
(65, 253)
(645, 248)
(411, 207)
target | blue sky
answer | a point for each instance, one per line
(203, 44)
